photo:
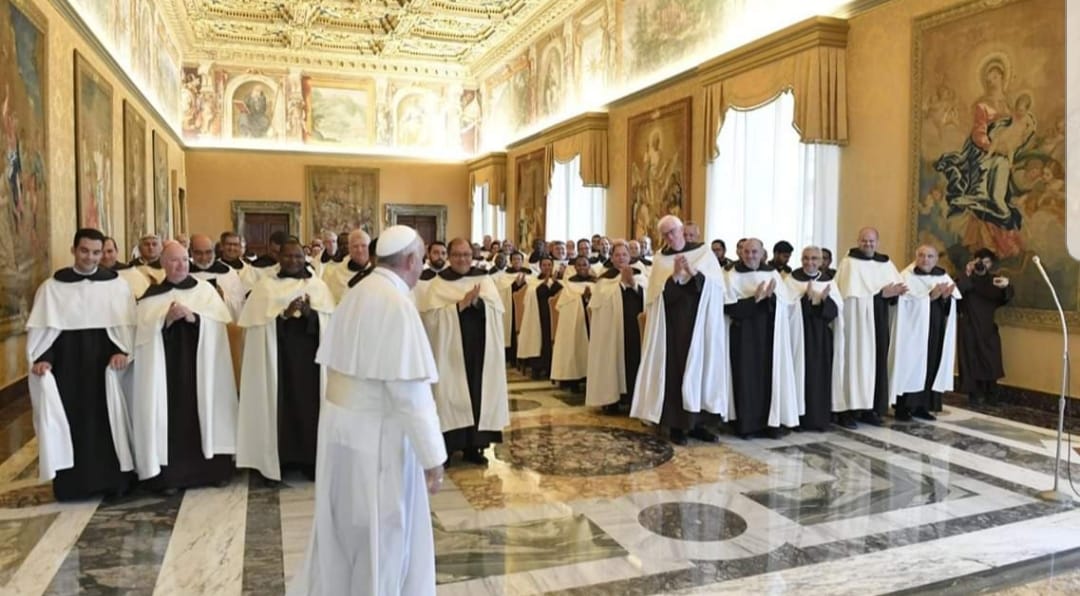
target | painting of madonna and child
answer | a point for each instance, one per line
(989, 92)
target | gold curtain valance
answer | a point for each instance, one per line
(490, 169)
(591, 145)
(808, 59)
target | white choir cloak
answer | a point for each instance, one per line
(607, 354)
(224, 277)
(337, 276)
(707, 377)
(215, 384)
(136, 280)
(530, 336)
(570, 348)
(440, 316)
(378, 432)
(59, 307)
(256, 432)
(859, 281)
(910, 329)
(785, 405)
(797, 289)
(504, 283)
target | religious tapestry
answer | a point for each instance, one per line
(342, 199)
(658, 168)
(339, 112)
(24, 223)
(93, 147)
(162, 216)
(134, 177)
(532, 187)
(988, 130)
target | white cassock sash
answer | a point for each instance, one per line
(570, 351)
(232, 287)
(707, 377)
(607, 353)
(530, 336)
(256, 434)
(214, 382)
(859, 281)
(785, 404)
(440, 317)
(59, 307)
(798, 339)
(910, 335)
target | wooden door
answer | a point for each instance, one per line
(424, 225)
(259, 226)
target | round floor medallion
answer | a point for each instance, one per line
(698, 522)
(582, 450)
(518, 404)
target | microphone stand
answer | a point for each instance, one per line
(1055, 494)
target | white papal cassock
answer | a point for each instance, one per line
(910, 328)
(257, 430)
(378, 432)
(607, 352)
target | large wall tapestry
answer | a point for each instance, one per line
(658, 168)
(93, 147)
(24, 221)
(532, 185)
(134, 176)
(162, 219)
(989, 145)
(342, 199)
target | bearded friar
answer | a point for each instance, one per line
(80, 334)
(216, 273)
(281, 385)
(184, 413)
(463, 316)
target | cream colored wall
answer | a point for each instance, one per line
(217, 177)
(63, 40)
(875, 168)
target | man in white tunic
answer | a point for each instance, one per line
(149, 260)
(224, 278)
(684, 362)
(923, 347)
(339, 277)
(614, 333)
(136, 279)
(462, 312)
(379, 440)
(570, 351)
(868, 282)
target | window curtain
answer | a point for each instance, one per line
(768, 184)
(488, 219)
(574, 210)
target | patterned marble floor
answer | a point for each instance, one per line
(574, 502)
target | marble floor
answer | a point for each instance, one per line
(574, 502)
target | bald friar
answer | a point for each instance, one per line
(216, 273)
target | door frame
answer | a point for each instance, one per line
(439, 212)
(240, 209)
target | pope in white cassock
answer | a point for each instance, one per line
(184, 396)
(615, 336)
(281, 385)
(463, 315)
(922, 352)
(79, 335)
(380, 446)
(570, 350)
(684, 362)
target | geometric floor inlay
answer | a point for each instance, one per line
(692, 521)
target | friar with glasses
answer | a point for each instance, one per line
(224, 278)
(339, 277)
(463, 316)
(80, 335)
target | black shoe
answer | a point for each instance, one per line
(474, 456)
(678, 436)
(703, 435)
(773, 433)
(902, 415)
(610, 410)
(923, 414)
(871, 418)
(846, 420)
(170, 492)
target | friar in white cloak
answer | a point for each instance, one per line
(817, 341)
(534, 339)
(868, 283)
(281, 385)
(232, 254)
(764, 398)
(614, 333)
(463, 315)
(508, 281)
(148, 261)
(80, 334)
(135, 278)
(922, 352)
(184, 396)
(339, 277)
(684, 363)
(379, 439)
(223, 278)
(570, 349)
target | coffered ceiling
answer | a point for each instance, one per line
(428, 37)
